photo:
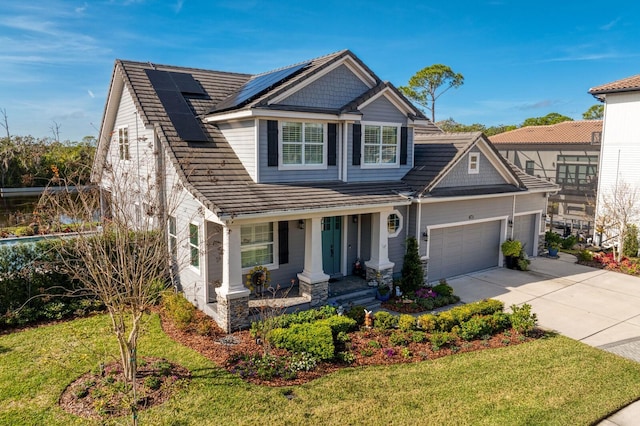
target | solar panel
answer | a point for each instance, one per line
(187, 84)
(258, 85)
(169, 92)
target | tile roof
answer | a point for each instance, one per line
(628, 84)
(567, 132)
(212, 172)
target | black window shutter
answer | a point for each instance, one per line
(272, 143)
(283, 242)
(357, 144)
(332, 139)
(404, 134)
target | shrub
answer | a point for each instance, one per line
(511, 247)
(179, 309)
(346, 357)
(152, 382)
(385, 321)
(585, 255)
(475, 327)
(412, 272)
(418, 336)
(440, 339)
(551, 237)
(338, 324)
(374, 344)
(569, 242)
(427, 322)
(443, 289)
(447, 320)
(522, 320)
(630, 245)
(356, 313)
(303, 362)
(407, 322)
(398, 338)
(315, 339)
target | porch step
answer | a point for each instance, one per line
(365, 297)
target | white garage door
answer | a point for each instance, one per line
(524, 231)
(462, 249)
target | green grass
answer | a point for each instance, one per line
(549, 381)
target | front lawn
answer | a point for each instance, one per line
(548, 381)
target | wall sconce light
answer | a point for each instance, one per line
(510, 222)
(425, 236)
(301, 224)
(354, 218)
(471, 217)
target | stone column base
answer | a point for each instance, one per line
(425, 270)
(318, 292)
(233, 313)
(386, 275)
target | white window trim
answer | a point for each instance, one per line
(172, 237)
(472, 156)
(194, 268)
(363, 164)
(276, 259)
(400, 223)
(128, 144)
(282, 166)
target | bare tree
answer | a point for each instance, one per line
(55, 130)
(618, 208)
(6, 148)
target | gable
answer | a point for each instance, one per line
(459, 175)
(383, 110)
(333, 90)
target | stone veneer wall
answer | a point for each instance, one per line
(317, 292)
(386, 275)
(233, 314)
(541, 245)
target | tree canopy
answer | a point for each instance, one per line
(551, 118)
(595, 112)
(423, 86)
(450, 125)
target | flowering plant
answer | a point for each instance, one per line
(426, 293)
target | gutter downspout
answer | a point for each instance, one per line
(513, 216)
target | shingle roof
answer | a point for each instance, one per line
(628, 84)
(567, 132)
(212, 172)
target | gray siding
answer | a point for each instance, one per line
(333, 90)
(460, 211)
(459, 176)
(383, 110)
(530, 203)
(272, 174)
(397, 245)
(287, 272)
(359, 174)
(240, 136)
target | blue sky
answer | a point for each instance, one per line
(519, 59)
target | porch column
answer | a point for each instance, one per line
(232, 295)
(379, 262)
(314, 283)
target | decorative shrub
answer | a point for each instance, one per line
(179, 309)
(475, 327)
(569, 242)
(440, 339)
(398, 338)
(522, 320)
(630, 245)
(407, 322)
(385, 321)
(412, 272)
(585, 255)
(443, 289)
(356, 313)
(418, 336)
(315, 339)
(445, 321)
(303, 362)
(339, 324)
(551, 239)
(286, 320)
(511, 248)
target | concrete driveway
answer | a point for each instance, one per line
(597, 307)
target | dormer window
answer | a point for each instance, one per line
(303, 144)
(380, 144)
(474, 163)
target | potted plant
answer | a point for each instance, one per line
(383, 292)
(511, 250)
(553, 243)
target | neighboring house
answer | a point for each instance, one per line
(304, 170)
(566, 153)
(621, 133)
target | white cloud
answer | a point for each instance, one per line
(91, 93)
(608, 26)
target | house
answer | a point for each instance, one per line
(621, 131)
(565, 153)
(304, 170)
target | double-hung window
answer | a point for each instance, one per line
(194, 245)
(303, 144)
(123, 143)
(257, 244)
(381, 144)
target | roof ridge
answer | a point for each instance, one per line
(148, 64)
(307, 61)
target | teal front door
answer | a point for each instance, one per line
(331, 244)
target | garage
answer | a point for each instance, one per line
(524, 230)
(458, 250)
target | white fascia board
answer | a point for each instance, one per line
(319, 212)
(420, 122)
(354, 67)
(267, 113)
(427, 200)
